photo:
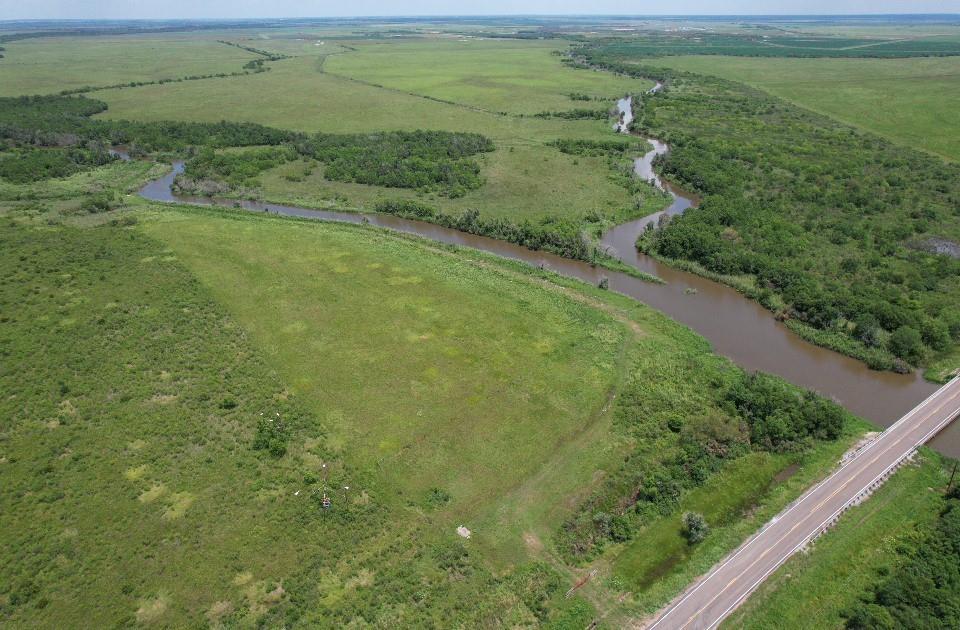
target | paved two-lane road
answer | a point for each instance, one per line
(712, 598)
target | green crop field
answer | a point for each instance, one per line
(910, 101)
(49, 65)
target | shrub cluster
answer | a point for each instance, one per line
(34, 164)
(577, 114)
(559, 236)
(752, 412)
(425, 160)
(924, 592)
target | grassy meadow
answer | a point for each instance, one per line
(519, 182)
(524, 178)
(518, 77)
(49, 65)
(909, 101)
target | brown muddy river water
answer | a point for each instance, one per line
(738, 328)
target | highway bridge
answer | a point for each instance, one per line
(709, 600)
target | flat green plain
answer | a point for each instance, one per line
(910, 101)
(49, 65)
(525, 178)
(502, 76)
(297, 95)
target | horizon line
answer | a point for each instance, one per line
(482, 15)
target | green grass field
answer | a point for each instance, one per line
(909, 101)
(502, 76)
(297, 95)
(519, 182)
(49, 65)
(524, 178)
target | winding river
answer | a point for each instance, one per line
(736, 326)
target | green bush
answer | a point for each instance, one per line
(695, 528)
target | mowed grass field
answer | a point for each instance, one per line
(909, 101)
(49, 65)
(524, 77)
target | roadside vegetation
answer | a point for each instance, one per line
(889, 563)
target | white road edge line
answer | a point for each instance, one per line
(950, 418)
(806, 495)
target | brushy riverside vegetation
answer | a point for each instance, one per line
(738, 414)
(420, 159)
(211, 171)
(909, 101)
(829, 223)
(428, 161)
(424, 160)
(577, 114)
(560, 236)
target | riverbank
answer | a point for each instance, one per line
(738, 328)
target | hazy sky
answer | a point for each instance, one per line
(26, 9)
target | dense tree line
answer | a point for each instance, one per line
(59, 121)
(559, 236)
(924, 592)
(576, 114)
(268, 56)
(425, 160)
(824, 218)
(746, 412)
(772, 45)
(254, 66)
(29, 165)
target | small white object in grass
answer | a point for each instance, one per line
(463, 532)
(297, 493)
